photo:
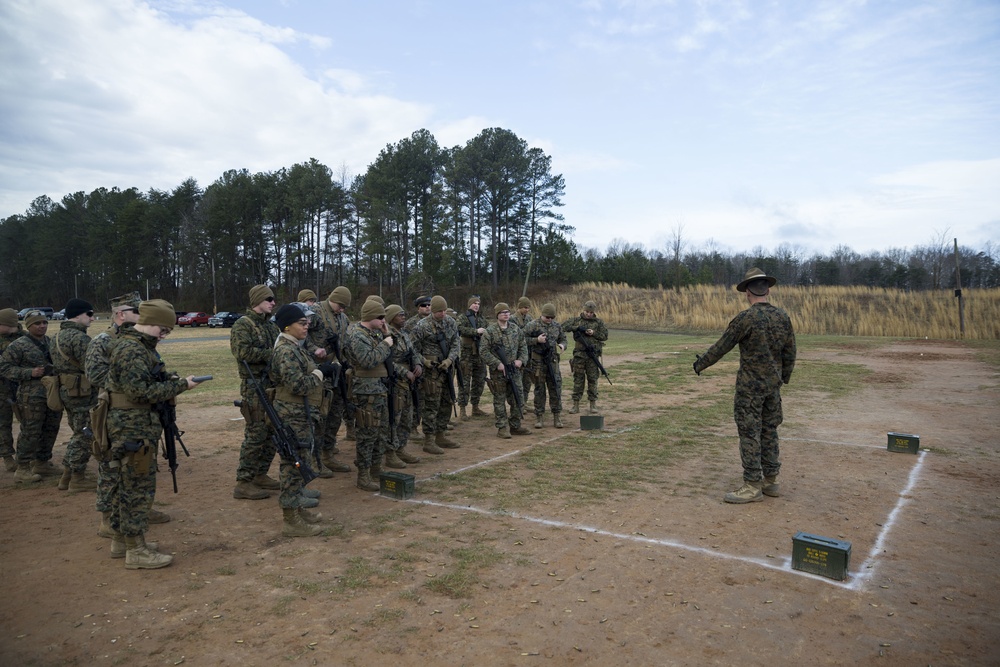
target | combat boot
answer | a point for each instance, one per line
(429, 445)
(576, 408)
(80, 482)
(9, 464)
(392, 460)
(593, 407)
(247, 491)
(310, 517)
(294, 525)
(156, 516)
(441, 440)
(64, 480)
(307, 502)
(365, 482)
(771, 487)
(476, 412)
(463, 414)
(45, 469)
(138, 555)
(504, 433)
(556, 420)
(376, 469)
(330, 461)
(323, 470)
(750, 492)
(23, 474)
(310, 493)
(105, 529)
(262, 481)
(520, 430)
(540, 423)
(407, 457)
(350, 432)
(118, 545)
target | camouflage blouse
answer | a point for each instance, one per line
(367, 351)
(252, 340)
(69, 348)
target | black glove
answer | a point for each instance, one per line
(328, 368)
(697, 358)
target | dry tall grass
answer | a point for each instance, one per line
(846, 311)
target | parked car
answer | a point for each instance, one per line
(224, 319)
(48, 312)
(59, 314)
(192, 320)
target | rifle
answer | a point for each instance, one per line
(283, 437)
(445, 350)
(167, 414)
(414, 388)
(340, 381)
(548, 358)
(390, 381)
(580, 334)
(508, 372)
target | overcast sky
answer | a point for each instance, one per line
(743, 123)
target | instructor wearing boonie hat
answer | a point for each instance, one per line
(471, 327)
(251, 340)
(767, 357)
(436, 339)
(588, 331)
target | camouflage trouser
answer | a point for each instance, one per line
(502, 397)
(545, 383)
(404, 418)
(105, 486)
(133, 489)
(584, 372)
(526, 381)
(6, 426)
(333, 420)
(473, 376)
(39, 428)
(78, 416)
(757, 420)
(257, 450)
(371, 429)
(294, 417)
(436, 407)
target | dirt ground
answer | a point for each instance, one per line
(666, 575)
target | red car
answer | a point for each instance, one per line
(192, 319)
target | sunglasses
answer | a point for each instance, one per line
(270, 298)
(380, 317)
(90, 313)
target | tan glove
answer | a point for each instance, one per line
(445, 364)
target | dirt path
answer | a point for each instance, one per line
(667, 575)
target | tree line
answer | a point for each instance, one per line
(422, 218)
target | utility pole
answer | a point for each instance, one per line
(958, 293)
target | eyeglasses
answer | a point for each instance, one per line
(270, 298)
(165, 331)
(130, 310)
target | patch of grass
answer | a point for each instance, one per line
(836, 379)
(464, 573)
(363, 574)
(284, 605)
(392, 520)
(225, 570)
(382, 617)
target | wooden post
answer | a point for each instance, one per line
(958, 293)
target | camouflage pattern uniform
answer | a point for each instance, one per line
(134, 427)
(39, 425)
(435, 395)
(69, 351)
(473, 369)
(297, 380)
(412, 323)
(512, 341)
(404, 358)
(97, 363)
(252, 340)
(539, 370)
(767, 356)
(325, 325)
(585, 371)
(523, 321)
(368, 351)
(8, 393)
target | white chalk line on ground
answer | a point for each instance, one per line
(782, 564)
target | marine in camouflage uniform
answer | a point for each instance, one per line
(299, 400)
(438, 362)
(69, 351)
(252, 340)
(137, 381)
(26, 361)
(587, 326)
(510, 337)
(767, 357)
(328, 331)
(369, 345)
(471, 327)
(423, 306)
(545, 336)
(10, 330)
(521, 318)
(408, 366)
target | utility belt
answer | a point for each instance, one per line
(377, 372)
(535, 356)
(119, 401)
(285, 395)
